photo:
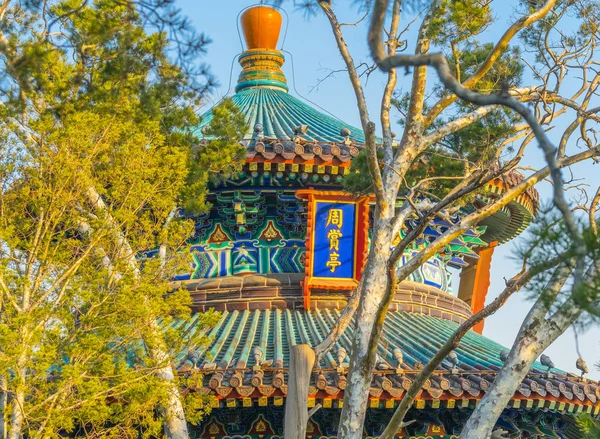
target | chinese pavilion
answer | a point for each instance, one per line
(280, 252)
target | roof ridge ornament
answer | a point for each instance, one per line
(345, 133)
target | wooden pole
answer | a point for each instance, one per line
(302, 360)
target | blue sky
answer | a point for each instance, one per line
(312, 56)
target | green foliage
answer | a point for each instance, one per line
(221, 157)
(434, 163)
(358, 180)
(458, 20)
(507, 69)
(589, 427)
(106, 113)
(475, 145)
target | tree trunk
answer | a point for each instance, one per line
(366, 335)
(482, 421)
(17, 416)
(302, 360)
(532, 340)
(3, 386)
(175, 423)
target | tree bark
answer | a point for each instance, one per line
(535, 335)
(297, 394)
(175, 424)
(364, 344)
(3, 386)
(302, 360)
(17, 416)
(515, 284)
(521, 358)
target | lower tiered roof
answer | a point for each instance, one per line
(248, 358)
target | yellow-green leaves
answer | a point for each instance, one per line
(108, 114)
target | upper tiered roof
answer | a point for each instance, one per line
(280, 114)
(262, 91)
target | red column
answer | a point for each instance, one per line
(475, 282)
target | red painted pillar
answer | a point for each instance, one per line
(475, 282)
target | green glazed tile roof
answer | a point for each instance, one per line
(239, 335)
(279, 113)
(417, 335)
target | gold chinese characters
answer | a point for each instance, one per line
(335, 218)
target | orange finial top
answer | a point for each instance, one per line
(261, 26)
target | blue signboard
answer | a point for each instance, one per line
(334, 240)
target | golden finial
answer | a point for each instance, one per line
(261, 61)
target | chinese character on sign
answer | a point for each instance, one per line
(334, 239)
(335, 218)
(333, 262)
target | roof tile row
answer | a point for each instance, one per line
(249, 355)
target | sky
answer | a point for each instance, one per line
(311, 55)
